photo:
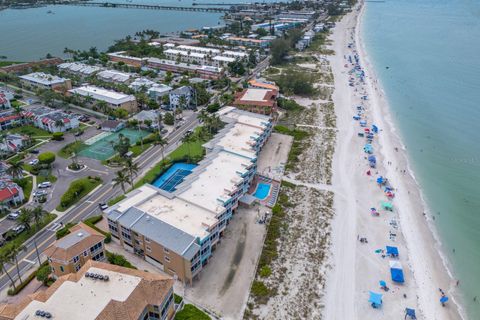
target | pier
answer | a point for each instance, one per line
(145, 6)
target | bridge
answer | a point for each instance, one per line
(145, 6)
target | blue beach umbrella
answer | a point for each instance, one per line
(383, 284)
(443, 299)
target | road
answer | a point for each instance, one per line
(89, 205)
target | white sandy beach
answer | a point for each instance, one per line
(356, 267)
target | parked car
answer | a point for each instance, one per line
(103, 206)
(18, 229)
(13, 215)
(35, 151)
(45, 184)
(33, 162)
(40, 193)
(78, 133)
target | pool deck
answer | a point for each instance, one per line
(272, 197)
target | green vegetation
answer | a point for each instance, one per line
(68, 150)
(43, 273)
(296, 150)
(190, 312)
(46, 158)
(265, 272)
(260, 291)
(177, 299)
(92, 221)
(296, 82)
(22, 285)
(46, 177)
(111, 202)
(27, 186)
(57, 136)
(64, 231)
(8, 63)
(119, 260)
(31, 131)
(77, 190)
(289, 104)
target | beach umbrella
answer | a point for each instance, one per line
(443, 299)
(383, 284)
(374, 128)
(392, 251)
(410, 313)
(375, 299)
(380, 180)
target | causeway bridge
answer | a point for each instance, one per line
(146, 6)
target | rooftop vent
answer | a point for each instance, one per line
(43, 314)
(80, 234)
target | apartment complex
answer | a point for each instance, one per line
(49, 119)
(205, 72)
(128, 60)
(203, 55)
(113, 99)
(114, 76)
(42, 80)
(99, 291)
(78, 68)
(10, 192)
(70, 253)
(239, 41)
(263, 101)
(177, 228)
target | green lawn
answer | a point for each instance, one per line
(35, 132)
(42, 178)
(112, 201)
(78, 189)
(24, 236)
(8, 63)
(190, 312)
(138, 150)
(16, 103)
(68, 150)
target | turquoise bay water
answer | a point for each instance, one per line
(433, 86)
(32, 33)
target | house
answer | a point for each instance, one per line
(128, 60)
(70, 253)
(52, 120)
(157, 92)
(112, 125)
(181, 97)
(206, 72)
(10, 192)
(4, 101)
(78, 68)
(47, 81)
(140, 84)
(114, 100)
(10, 120)
(178, 228)
(114, 76)
(99, 291)
(13, 143)
(149, 116)
(263, 101)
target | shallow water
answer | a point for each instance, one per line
(432, 84)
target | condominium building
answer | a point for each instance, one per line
(204, 50)
(99, 291)
(10, 192)
(128, 60)
(70, 253)
(4, 101)
(114, 100)
(49, 119)
(140, 84)
(45, 81)
(78, 68)
(176, 228)
(157, 92)
(248, 42)
(205, 72)
(222, 61)
(263, 101)
(114, 76)
(186, 56)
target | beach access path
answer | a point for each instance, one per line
(356, 267)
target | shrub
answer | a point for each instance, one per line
(46, 158)
(76, 190)
(190, 312)
(265, 271)
(259, 289)
(178, 299)
(119, 260)
(57, 136)
(43, 273)
(168, 119)
(64, 231)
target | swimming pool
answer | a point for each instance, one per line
(175, 175)
(262, 191)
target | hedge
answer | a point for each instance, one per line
(119, 260)
(77, 190)
(94, 220)
(21, 286)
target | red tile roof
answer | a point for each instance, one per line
(7, 193)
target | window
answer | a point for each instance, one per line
(148, 249)
(85, 253)
(96, 247)
(61, 269)
(75, 259)
(147, 240)
(166, 250)
(98, 256)
(167, 259)
(77, 267)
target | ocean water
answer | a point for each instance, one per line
(30, 34)
(433, 86)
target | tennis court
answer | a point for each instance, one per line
(173, 176)
(102, 149)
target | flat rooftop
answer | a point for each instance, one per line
(43, 78)
(84, 299)
(185, 53)
(213, 183)
(253, 94)
(248, 118)
(240, 140)
(103, 94)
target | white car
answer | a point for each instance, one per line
(40, 193)
(103, 206)
(13, 215)
(46, 184)
(33, 162)
(18, 229)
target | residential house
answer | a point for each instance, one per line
(13, 143)
(181, 97)
(140, 84)
(149, 116)
(81, 69)
(263, 101)
(157, 92)
(4, 101)
(114, 76)
(52, 120)
(112, 125)
(114, 100)
(42, 80)
(177, 227)
(10, 120)
(70, 253)
(99, 291)
(10, 192)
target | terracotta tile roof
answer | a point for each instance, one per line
(80, 238)
(152, 289)
(264, 85)
(7, 193)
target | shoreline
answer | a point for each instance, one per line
(429, 267)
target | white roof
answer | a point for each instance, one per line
(222, 58)
(160, 88)
(216, 182)
(142, 82)
(253, 94)
(237, 54)
(85, 299)
(114, 75)
(78, 67)
(121, 54)
(248, 118)
(184, 65)
(43, 78)
(240, 140)
(198, 49)
(395, 264)
(103, 94)
(184, 53)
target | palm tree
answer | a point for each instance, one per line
(162, 142)
(59, 124)
(14, 250)
(187, 139)
(120, 180)
(102, 106)
(25, 218)
(132, 169)
(3, 269)
(37, 215)
(16, 170)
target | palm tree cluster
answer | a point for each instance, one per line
(126, 175)
(211, 122)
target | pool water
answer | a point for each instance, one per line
(262, 191)
(175, 175)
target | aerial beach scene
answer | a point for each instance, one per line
(237, 160)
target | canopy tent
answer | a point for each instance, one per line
(375, 299)
(368, 148)
(356, 117)
(410, 313)
(372, 158)
(381, 180)
(387, 205)
(396, 272)
(392, 251)
(363, 123)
